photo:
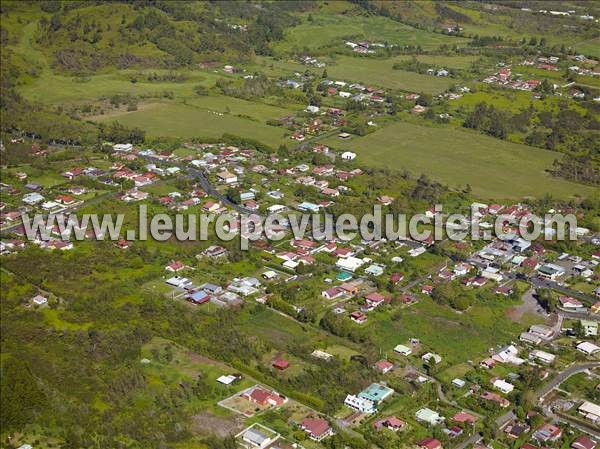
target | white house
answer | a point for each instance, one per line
(40, 300)
(542, 356)
(361, 404)
(431, 356)
(123, 147)
(590, 410)
(429, 416)
(503, 386)
(404, 350)
(227, 177)
(254, 438)
(32, 198)
(588, 348)
(349, 263)
(348, 155)
(506, 354)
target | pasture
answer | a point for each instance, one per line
(366, 70)
(53, 88)
(325, 32)
(168, 119)
(494, 168)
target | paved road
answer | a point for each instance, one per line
(209, 189)
(560, 378)
(579, 315)
(564, 375)
(474, 439)
(543, 283)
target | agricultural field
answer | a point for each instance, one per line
(54, 88)
(493, 168)
(326, 32)
(367, 70)
(170, 119)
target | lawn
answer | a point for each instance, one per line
(589, 47)
(280, 330)
(493, 168)
(179, 120)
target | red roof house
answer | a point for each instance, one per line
(429, 443)
(281, 364)
(391, 423)
(316, 428)
(583, 442)
(385, 366)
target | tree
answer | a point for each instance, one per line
(200, 90)
(233, 195)
(21, 395)
(424, 99)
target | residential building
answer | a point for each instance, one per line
(583, 442)
(316, 428)
(361, 404)
(429, 416)
(590, 411)
(429, 443)
(391, 423)
(402, 349)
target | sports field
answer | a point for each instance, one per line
(493, 168)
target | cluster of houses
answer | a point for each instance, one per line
(231, 294)
(309, 60)
(364, 47)
(543, 62)
(354, 91)
(505, 78)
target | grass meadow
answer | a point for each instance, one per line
(493, 168)
(327, 31)
(367, 70)
(456, 336)
(185, 121)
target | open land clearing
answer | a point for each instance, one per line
(327, 31)
(370, 71)
(493, 168)
(180, 120)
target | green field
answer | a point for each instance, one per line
(180, 120)
(589, 47)
(455, 336)
(327, 31)
(380, 72)
(453, 62)
(53, 88)
(512, 100)
(493, 168)
(368, 71)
